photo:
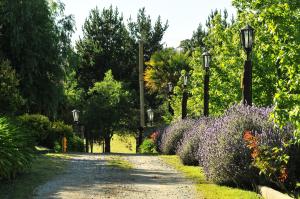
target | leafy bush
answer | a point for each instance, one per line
(224, 154)
(57, 131)
(189, 144)
(16, 149)
(173, 134)
(10, 98)
(148, 146)
(39, 126)
(75, 144)
(57, 147)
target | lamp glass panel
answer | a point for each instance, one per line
(207, 60)
(185, 80)
(250, 38)
(246, 37)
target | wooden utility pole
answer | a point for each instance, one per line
(142, 99)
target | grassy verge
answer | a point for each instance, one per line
(119, 144)
(119, 162)
(205, 189)
(43, 169)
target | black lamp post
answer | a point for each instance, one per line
(184, 97)
(76, 121)
(150, 116)
(247, 40)
(206, 62)
(170, 91)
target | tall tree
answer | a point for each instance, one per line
(105, 45)
(34, 38)
(107, 109)
(142, 29)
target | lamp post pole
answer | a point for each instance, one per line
(247, 82)
(206, 92)
(247, 40)
(184, 98)
(206, 63)
(142, 100)
(170, 90)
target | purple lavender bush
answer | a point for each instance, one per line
(173, 134)
(223, 153)
(188, 147)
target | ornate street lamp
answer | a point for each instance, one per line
(247, 41)
(76, 115)
(206, 64)
(170, 91)
(150, 115)
(184, 97)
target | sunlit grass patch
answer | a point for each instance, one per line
(206, 189)
(119, 144)
(119, 162)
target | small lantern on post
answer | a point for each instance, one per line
(206, 65)
(76, 115)
(170, 87)
(150, 115)
(247, 41)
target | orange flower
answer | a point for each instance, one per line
(283, 174)
(255, 153)
(247, 135)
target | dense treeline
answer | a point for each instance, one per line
(42, 73)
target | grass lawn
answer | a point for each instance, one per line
(205, 189)
(118, 162)
(119, 144)
(44, 167)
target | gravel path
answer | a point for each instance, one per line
(90, 178)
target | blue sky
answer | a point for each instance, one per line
(183, 15)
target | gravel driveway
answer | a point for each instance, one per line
(90, 178)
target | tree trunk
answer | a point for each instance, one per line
(92, 145)
(87, 142)
(107, 143)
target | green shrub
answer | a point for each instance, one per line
(57, 131)
(10, 98)
(148, 146)
(39, 126)
(16, 149)
(57, 147)
(75, 144)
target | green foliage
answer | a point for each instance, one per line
(57, 147)
(105, 45)
(107, 108)
(148, 146)
(10, 98)
(35, 39)
(142, 29)
(16, 149)
(38, 125)
(75, 143)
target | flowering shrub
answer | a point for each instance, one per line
(173, 134)
(276, 163)
(189, 144)
(223, 152)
